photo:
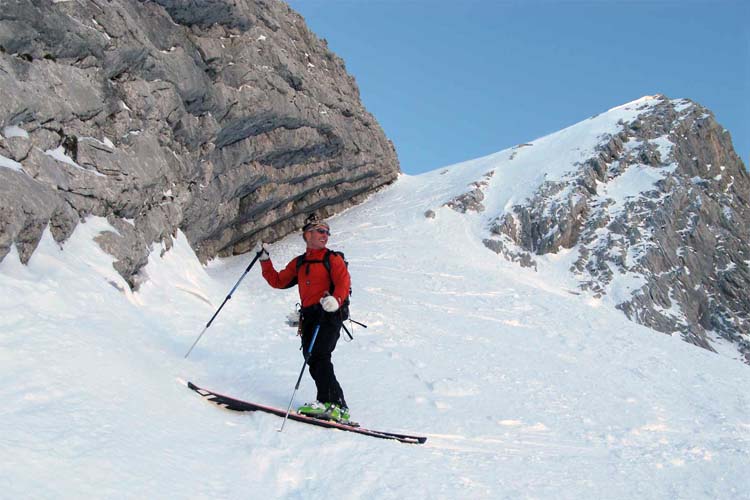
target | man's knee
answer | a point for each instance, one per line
(319, 360)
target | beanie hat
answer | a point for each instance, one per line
(313, 221)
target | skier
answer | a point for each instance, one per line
(324, 283)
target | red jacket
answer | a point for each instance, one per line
(313, 279)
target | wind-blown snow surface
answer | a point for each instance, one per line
(524, 389)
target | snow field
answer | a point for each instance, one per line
(525, 387)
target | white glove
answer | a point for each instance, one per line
(330, 303)
(263, 250)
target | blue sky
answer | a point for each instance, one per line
(455, 80)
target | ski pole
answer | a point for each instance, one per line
(257, 256)
(351, 337)
(302, 372)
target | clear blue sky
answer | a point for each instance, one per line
(455, 80)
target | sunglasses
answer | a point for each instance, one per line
(321, 231)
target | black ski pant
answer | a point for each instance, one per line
(319, 360)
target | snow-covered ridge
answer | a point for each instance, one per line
(551, 158)
(618, 190)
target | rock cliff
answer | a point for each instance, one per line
(228, 120)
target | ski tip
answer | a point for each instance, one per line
(181, 381)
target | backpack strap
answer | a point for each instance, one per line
(343, 312)
(326, 261)
(302, 261)
(293, 282)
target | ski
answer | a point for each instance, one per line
(238, 405)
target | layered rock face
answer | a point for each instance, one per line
(682, 244)
(228, 120)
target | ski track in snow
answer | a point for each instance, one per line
(523, 389)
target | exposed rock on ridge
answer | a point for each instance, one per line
(228, 120)
(684, 243)
(471, 201)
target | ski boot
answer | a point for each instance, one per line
(325, 411)
(316, 409)
(338, 413)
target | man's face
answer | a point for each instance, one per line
(317, 238)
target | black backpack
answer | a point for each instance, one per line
(326, 261)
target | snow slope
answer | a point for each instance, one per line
(524, 388)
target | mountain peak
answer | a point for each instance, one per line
(651, 195)
(647, 100)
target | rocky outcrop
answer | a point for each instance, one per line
(682, 246)
(228, 120)
(471, 201)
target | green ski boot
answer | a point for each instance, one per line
(325, 411)
(315, 409)
(338, 413)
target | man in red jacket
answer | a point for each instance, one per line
(324, 283)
